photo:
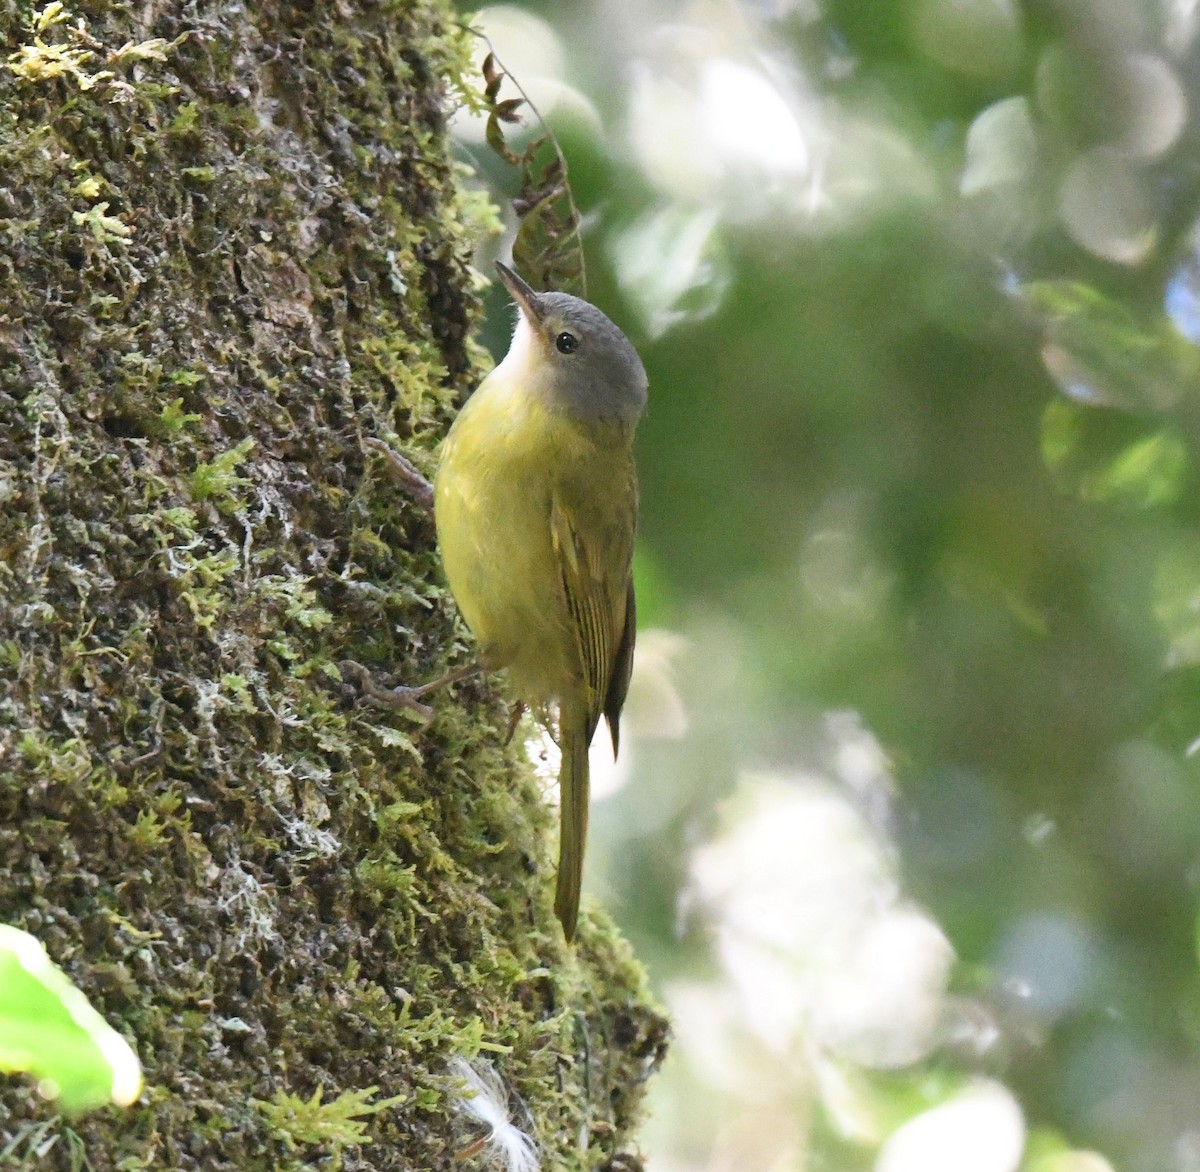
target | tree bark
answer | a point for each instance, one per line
(231, 247)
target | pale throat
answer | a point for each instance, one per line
(524, 368)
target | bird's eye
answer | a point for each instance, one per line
(566, 343)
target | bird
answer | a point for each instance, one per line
(535, 504)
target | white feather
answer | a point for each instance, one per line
(486, 1099)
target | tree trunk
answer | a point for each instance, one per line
(232, 247)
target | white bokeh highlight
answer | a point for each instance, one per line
(812, 929)
(981, 1129)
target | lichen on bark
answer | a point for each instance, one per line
(231, 246)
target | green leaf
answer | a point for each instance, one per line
(48, 1029)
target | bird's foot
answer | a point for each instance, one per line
(514, 718)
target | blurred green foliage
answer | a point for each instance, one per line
(932, 455)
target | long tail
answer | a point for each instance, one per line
(573, 781)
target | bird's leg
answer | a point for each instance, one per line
(518, 710)
(404, 471)
(410, 479)
(405, 697)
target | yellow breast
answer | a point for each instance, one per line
(498, 471)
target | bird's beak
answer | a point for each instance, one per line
(522, 294)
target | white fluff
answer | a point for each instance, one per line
(486, 1099)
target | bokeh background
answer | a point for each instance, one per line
(908, 828)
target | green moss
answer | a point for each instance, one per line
(218, 480)
(173, 418)
(149, 831)
(334, 1125)
(105, 228)
(269, 887)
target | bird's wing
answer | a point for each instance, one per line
(593, 555)
(618, 683)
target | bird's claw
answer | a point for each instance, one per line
(514, 718)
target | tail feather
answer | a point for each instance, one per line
(573, 780)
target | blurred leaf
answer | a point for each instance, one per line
(495, 139)
(506, 111)
(1149, 472)
(547, 248)
(547, 251)
(671, 263)
(1177, 601)
(48, 1029)
(1095, 458)
(1099, 352)
(493, 76)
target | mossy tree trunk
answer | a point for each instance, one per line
(231, 246)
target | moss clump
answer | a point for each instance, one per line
(232, 245)
(335, 1124)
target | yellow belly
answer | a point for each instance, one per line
(499, 469)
